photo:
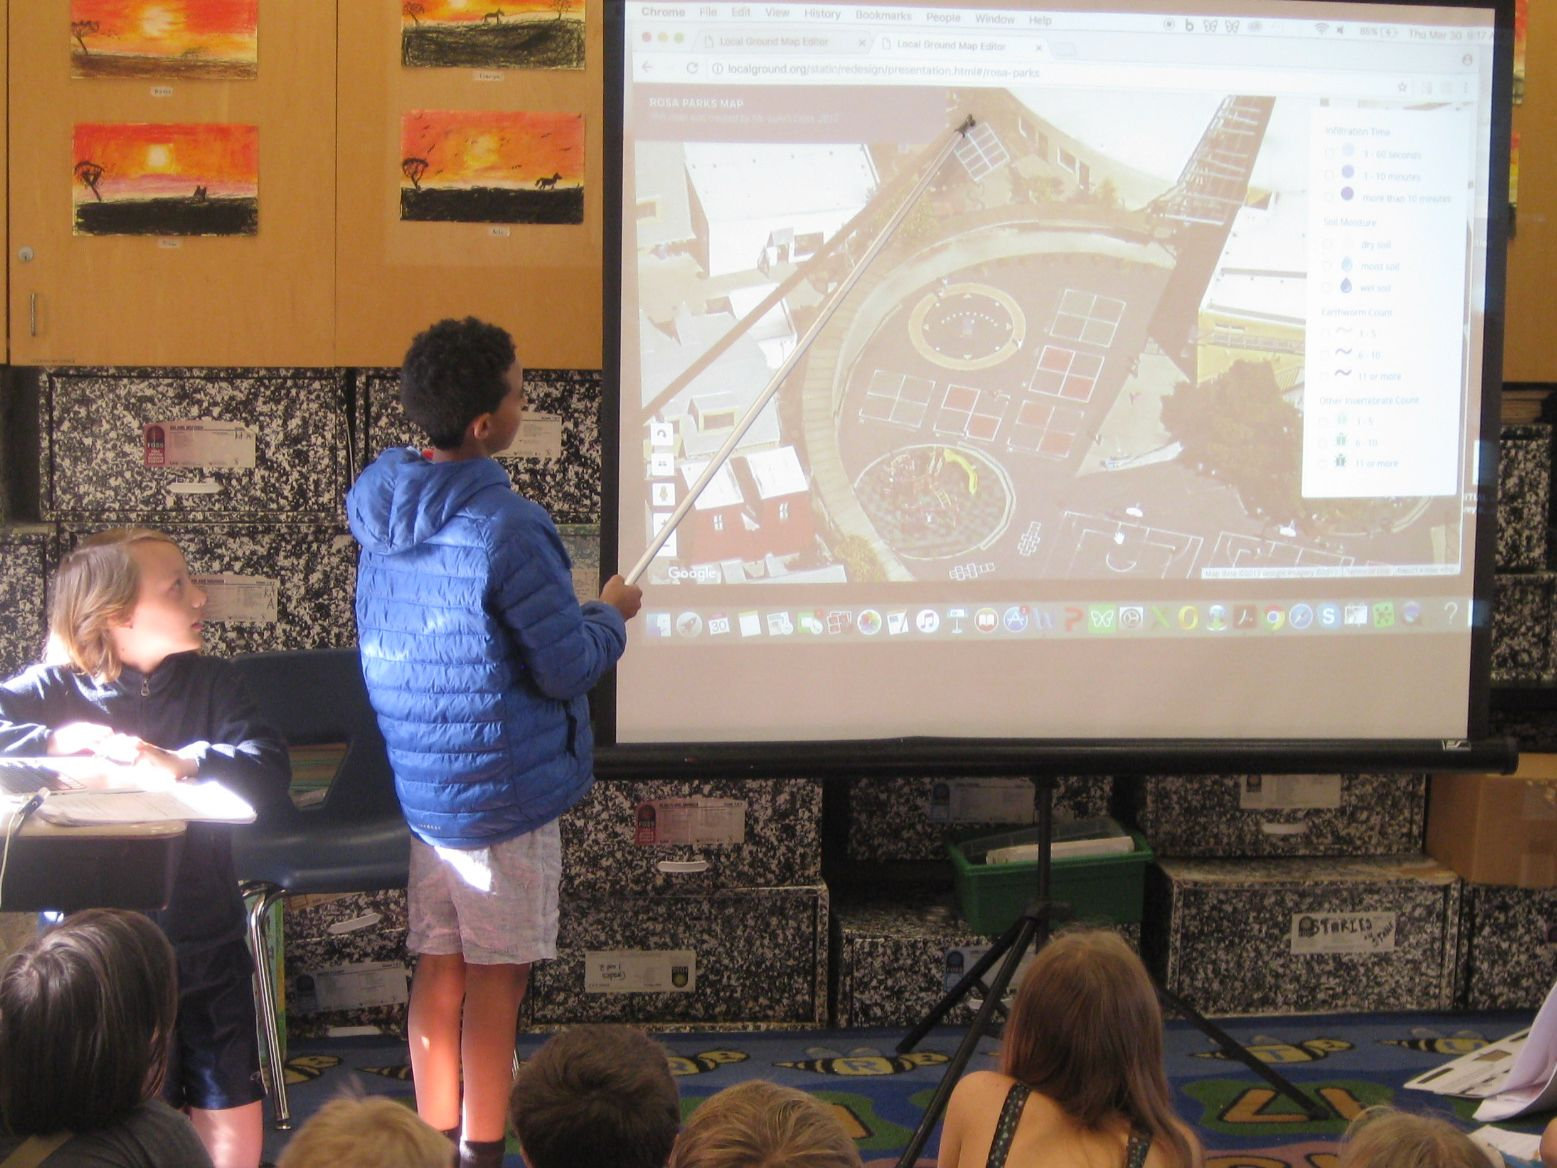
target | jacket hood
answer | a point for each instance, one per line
(403, 499)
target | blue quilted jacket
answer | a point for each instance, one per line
(476, 653)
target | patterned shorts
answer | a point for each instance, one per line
(495, 905)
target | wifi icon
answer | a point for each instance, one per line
(1321, 26)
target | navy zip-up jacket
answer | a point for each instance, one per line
(195, 706)
(477, 655)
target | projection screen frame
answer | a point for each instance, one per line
(987, 756)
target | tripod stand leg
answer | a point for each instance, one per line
(954, 995)
(1234, 1050)
(1013, 945)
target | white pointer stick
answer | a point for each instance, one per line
(762, 399)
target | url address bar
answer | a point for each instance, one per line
(696, 68)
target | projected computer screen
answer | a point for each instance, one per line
(1005, 371)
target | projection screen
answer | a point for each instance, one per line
(993, 371)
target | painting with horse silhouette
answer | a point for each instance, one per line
(165, 179)
(485, 34)
(491, 166)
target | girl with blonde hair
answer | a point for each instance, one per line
(762, 1125)
(1081, 1080)
(125, 681)
(1382, 1137)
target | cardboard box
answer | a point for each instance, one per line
(741, 957)
(1277, 815)
(194, 443)
(566, 480)
(1498, 829)
(897, 953)
(1511, 946)
(23, 557)
(636, 836)
(346, 962)
(1306, 936)
(896, 819)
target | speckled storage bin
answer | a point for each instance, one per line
(1214, 815)
(1524, 496)
(760, 958)
(93, 461)
(24, 556)
(1522, 626)
(322, 934)
(569, 489)
(315, 569)
(608, 847)
(1510, 946)
(896, 954)
(893, 819)
(1259, 936)
(583, 543)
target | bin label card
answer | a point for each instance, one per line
(981, 801)
(636, 971)
(1343, 932)
(1289, 793)
(349, 987)
(199, 442)
(249, 600)
(539, 436)
(690, 821)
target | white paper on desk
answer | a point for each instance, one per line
(1532, 1080)
(207, 802)
(1525, 1145)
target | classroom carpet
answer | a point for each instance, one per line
(1347, 1061)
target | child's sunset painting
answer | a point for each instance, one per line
(175, 39)
(492, 34)
(468, 166)
(184, 179)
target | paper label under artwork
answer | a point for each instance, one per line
(250, 600)
(203, 442)
(981, 801)
(634, 971)
(1289, 792)
(694, 820)
(1343, 932)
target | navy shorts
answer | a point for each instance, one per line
(214, 1063)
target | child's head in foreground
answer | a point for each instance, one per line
(1382, 1137)
(122, 595)
(367, 1133)
(453, 373)
(86, 1017)
(1086, 1031)
(763, 1125)
(596, 1095)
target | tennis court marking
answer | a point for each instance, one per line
(1088, 317)
(1066, 373)
(898, 399)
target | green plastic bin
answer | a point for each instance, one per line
(1102, 889)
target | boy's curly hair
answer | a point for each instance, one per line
(452, 374)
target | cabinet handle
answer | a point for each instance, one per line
(32, 314)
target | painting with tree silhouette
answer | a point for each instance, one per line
(492, 34)
(178, 39)
(491, 166)
(181, 179)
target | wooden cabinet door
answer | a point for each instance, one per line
(542, 282)
(162, 299)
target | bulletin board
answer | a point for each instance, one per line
(1529, 352)
(542, 282)
(112, 299)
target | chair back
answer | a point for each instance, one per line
(317, 697)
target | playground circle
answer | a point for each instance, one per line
(967, 326)
(936, 501)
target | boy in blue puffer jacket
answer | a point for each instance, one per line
(477, 659)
